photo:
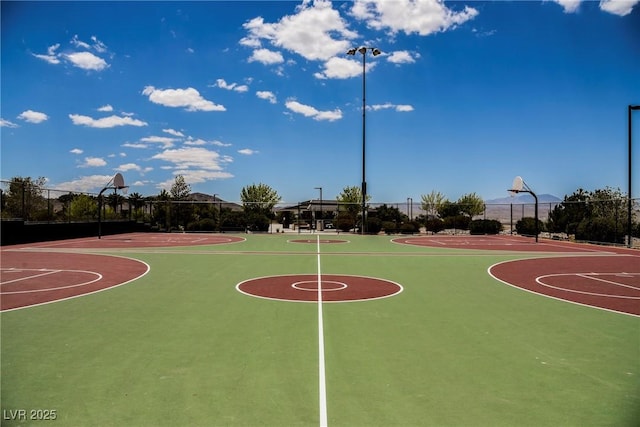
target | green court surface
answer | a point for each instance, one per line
(182, 346)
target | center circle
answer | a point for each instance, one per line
(304, 288)
(313, 285)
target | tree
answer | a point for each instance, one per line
(566, 216)
(180, 190)
(114, 201)
(258, 201)
(390, 213)
(471, 204)
(24, 198)
(448, 209)
(136, 203)
(259, 198)
(431, 203)
(597, 215)
(350, 206)
(83, 207)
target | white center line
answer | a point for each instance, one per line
(321, 372)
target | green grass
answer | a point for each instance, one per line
(181, 346)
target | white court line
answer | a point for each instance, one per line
(321, 366)
(591, 276)
(29, 277)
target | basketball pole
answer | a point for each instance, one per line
(525, 189)
(118, 184)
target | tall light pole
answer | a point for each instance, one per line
(321, 215)
(375, 52)
(629, 201)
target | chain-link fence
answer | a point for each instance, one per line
(605, 221)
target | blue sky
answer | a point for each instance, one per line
(465, 96)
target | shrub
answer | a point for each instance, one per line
(374, 225)
(389, 227)
(345, 222)
(485, 226)
(599, 230)
(435, 225)
(408, 228)
(205, 224)
(527, 226)
(459, 222)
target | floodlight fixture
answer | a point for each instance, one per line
(519, 186)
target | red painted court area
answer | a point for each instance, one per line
(34, 278)
(305, 288)
(607, 282)
(140, 240)
(29, 275)
(604, 277)
(497, 243)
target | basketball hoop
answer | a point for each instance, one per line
(115, 183)
(519, 186)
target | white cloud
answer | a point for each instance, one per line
(86, 61)
(220, 143)
(618, 7)
(51, 57)
(189, 98)
(266, 56)
(221, 83)
(92, 162)
(76, 151)
(191, 157)
(106, 108)
(195, 177)
(247, 151)
(33, 116)
(195, 142)
(85, 183)
(134, 145)
(7, 124)
(309, 111)
(343, 68)
(173, 132)
(82, 59)
(401, 57)
(164, 140)
(98, 46)
(404, 108)
(105, 122)
(128, 167)
(401, 108)
(421, 17)
(316, 31)
(79, 43)
(267, 95)
(569, 6)
(196, 164)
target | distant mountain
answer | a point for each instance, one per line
(202, 197)
(524, 198)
